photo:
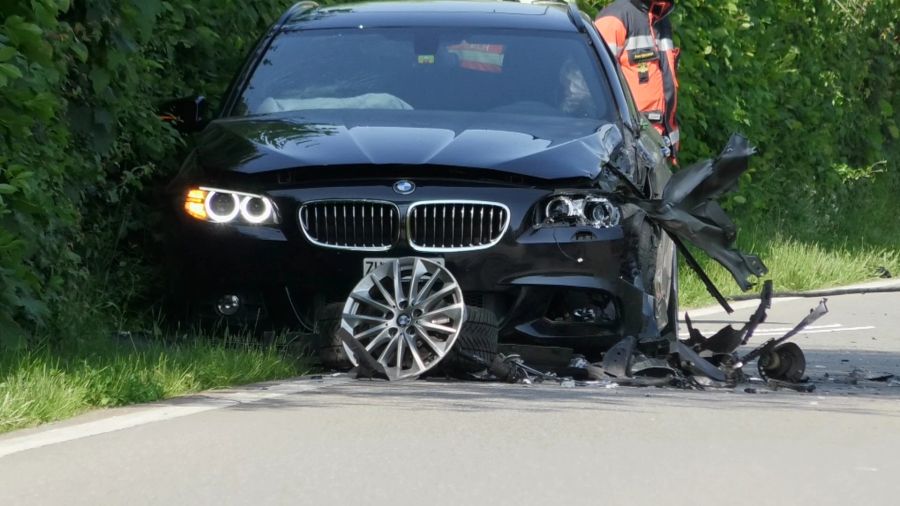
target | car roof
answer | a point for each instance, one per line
(534, 15)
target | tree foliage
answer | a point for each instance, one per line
(813, 82)
(80, 83)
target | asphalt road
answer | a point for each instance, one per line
(341, 441)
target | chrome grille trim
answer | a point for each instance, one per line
(350, 224)
(455, 225)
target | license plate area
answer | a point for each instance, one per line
(370, 264)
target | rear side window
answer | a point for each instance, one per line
(430, 69)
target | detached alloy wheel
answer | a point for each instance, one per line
(407, 314)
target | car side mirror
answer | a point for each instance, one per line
(186, 114)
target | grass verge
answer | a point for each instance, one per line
(45, 385)
(793, 264)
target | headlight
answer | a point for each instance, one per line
(559, 208)
(227, 206)
(600, 212)
(592, 210)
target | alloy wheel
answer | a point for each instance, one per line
(407, 313)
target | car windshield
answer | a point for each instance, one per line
(484, 71)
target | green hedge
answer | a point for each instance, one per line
(813, 83)
(79, 85)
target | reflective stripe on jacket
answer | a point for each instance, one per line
(640, 36)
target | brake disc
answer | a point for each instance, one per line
(407, 314)
(785, 363)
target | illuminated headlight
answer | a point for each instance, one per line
(227, 206)
(592, 210)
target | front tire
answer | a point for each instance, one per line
(476, 346)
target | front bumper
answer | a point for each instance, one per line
(534, 278)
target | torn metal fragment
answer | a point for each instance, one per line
(647, 367)
(617, 361)
(769, 345)
(695, 364)
(689, 211)
(727, 339)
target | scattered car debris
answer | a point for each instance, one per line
(698, 362)
(798, 387)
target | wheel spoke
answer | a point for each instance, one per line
(414, 280)
(411, 344)
(372, 330)
(401, 341)
(365, 299)
(398, 288)
(382, 358)
(443, 310)
(384, 293)
(439, 348)
(364, 318)
(449, 287)
(377, 340)
(439, 328)
(425, 289)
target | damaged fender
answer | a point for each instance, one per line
(688, 209)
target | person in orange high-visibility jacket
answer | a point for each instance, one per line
(640, 37)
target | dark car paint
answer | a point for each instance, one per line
(277, 142)
(293, 161)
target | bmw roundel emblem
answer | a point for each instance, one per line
(404, 187)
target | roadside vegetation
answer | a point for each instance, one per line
(46, 383)
(812, 84)
(794, 266)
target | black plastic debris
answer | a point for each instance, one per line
(728, 339)
(797, 387)
(617, 361)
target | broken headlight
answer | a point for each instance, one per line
(592, 210)
(227, 206)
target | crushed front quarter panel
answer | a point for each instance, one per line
(688, 209)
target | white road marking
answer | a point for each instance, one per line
(210, 401)
(812, 329)
(809, 327)
(822, 331)
(737, 306)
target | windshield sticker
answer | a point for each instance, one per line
(480, 57)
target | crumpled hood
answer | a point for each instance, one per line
(540, 149)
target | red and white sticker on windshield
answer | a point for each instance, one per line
(480, 57)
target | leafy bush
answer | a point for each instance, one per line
(80, 82)
(812, 83)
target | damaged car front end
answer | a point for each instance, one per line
(420, 184)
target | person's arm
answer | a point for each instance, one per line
(613, 32)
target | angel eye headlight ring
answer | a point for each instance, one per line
(255, 217)
(222, 217)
